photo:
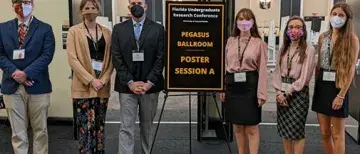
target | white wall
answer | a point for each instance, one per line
(309, 6)
(266, 15)
(122, 7)
(61, 105)
(319, 6)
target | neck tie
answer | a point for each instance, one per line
(21, 35)
(137, 31)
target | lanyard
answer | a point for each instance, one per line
(289, 61)
(96, 43)
(242, 55)
(138, 45)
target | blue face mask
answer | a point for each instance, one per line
(337, 22)
(27, 9)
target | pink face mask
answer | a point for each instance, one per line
(244, 25)
(295, 34)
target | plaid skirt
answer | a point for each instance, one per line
(291, 120)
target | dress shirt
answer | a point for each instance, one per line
(302, 73)
(255, 58)
(27, 24)
(141, 27)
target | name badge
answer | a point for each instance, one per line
(240, 77)
(285, 86)
(138, 56)
(97, 65)
(18, 54)
(329, 76)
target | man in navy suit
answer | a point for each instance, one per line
(27, 47)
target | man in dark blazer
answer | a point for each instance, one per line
(27, 47)
(138, 57)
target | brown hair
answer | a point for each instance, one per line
(287, 41)
(247, 14)
(343, 54)
(15, 1)
(83, 3)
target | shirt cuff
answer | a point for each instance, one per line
(131, 81)
(150, 83)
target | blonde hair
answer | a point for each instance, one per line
(343, 57)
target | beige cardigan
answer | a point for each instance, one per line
(79, 60)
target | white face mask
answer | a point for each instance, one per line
(337, 22)
(27, 9)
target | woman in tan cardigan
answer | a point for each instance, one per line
(88, 49)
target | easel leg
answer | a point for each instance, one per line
(190, 123)
(157, 127)
(222, 121)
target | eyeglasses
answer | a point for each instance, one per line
(28, 2)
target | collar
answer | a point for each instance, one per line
(141, 22)
(27, 22)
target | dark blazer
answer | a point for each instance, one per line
(39, 51)
(152, 42)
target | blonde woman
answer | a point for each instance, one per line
(88, 48)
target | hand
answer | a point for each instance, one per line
(97, 84)
(136, 87)
(261, 102)
(337, 103)
(281, 99)
(146, 86)
(222, 97)
(19, 76)
(28, 83)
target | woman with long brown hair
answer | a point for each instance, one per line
(88, 48)
(293, 71)
(338, 51)
(246, 66)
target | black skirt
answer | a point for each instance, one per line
(241, 104)
(324, 94)
(291, 119)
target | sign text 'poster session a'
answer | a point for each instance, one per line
(195, 35)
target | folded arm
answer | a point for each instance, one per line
(307, 70)
(276, 78)
(78, 69)
(262, 84)
(42, 62)
(118, 60)
(108, 72)
(5, 64)
(159, 63)
(317, 68)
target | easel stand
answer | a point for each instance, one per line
(189, 95)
